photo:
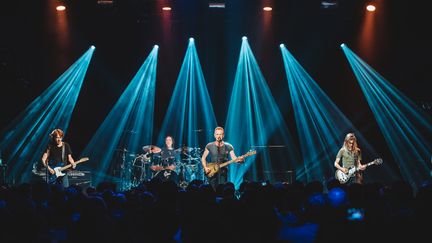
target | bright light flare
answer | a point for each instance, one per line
(370, 8)
(61, 8)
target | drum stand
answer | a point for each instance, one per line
(125, 172)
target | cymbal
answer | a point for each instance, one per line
(151, 149)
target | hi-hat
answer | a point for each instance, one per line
(151, 149)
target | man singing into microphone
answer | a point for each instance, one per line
(218, 151)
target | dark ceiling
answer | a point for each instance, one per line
(34, 51)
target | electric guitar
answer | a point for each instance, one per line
(343, 178)
(215, 166)
(58, 171)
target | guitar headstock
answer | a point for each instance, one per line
(377, 161)
(251, 152)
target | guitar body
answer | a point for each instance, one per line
(59, 168)
(214, 168)
(57, 173)
(344, 178)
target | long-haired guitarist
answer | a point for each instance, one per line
(58, 153)
(218, 151)
(350, 154)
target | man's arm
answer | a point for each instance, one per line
(234, 157)
(45, 162)
(203, 160)
(337, 161)
(71, 161)
(358, 162)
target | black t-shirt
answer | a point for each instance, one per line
(168, 153)
(55, 153)
(169, 156)
(219, 154)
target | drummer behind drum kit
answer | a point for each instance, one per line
(181, 168)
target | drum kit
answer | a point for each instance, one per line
(180, 165)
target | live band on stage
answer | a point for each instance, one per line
(180, 165)
(167, 163)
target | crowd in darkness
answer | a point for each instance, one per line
(157, 211)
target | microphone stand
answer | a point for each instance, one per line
(218, 162)
(46, 173)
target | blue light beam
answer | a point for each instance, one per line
(253, 117)
(129, 125)
(321, 126)
(190, 118)
(23, 142)
(405, 127)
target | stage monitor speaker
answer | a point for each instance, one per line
(286, 176)
(80, 178)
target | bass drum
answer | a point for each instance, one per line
(167, 175)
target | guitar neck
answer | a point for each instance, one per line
(69, 165)
(370, 163)
(233, 160)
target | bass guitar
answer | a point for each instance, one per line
(58, 171)
(215, 166)
(343, 178)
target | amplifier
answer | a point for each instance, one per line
(81, 178)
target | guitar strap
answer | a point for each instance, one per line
(63, 153)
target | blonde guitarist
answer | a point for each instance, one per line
(219, 151)
(350, 155)
(58, 153)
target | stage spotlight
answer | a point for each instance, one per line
(267, 9)
(281, 45)
(190, 113)
(244, 38)
(342, 45)
(105, 2)
(92, 47)
(128, 126)
(156, 46)
(24, 140)
(370, 8)
(329, 4)
(166, 8)
(217, 4)
(253, 118)
(406, 128)
(61, 8)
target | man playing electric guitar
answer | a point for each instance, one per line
(351, 157)
(218, 151)
(58, 153)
